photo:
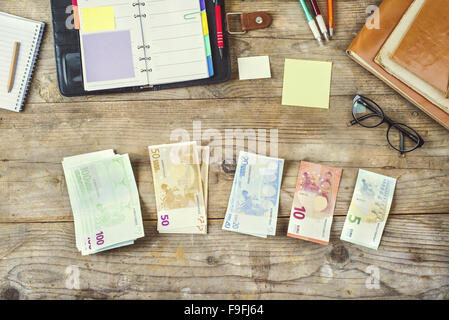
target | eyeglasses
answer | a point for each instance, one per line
(369, 115)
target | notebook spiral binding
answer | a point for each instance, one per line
(29, 69)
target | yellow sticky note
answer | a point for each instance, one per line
(98, 19)
(307, 83)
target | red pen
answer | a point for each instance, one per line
(219, 25)
(319, 19)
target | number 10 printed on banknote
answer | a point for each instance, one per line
(314, 202)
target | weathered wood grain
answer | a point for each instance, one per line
(49, 132)
(36, 228)
(38, 191)
(413, 263)
(38, 140)
(288, 20)
(288, 37)
(348, 77)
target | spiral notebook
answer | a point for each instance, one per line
(126, 43)
(29, 34)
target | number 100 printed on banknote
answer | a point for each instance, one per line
(314, 202)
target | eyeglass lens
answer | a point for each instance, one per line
(402, 137)
(367, 113)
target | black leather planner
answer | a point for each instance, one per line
(69, 63)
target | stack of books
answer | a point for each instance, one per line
(407, 49)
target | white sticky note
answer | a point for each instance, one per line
(254, 68)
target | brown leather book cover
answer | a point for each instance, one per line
(424, 49)
(367, 44)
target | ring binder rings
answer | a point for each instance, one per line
(69, 64)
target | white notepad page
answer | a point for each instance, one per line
(174, 32)
(167, 41)
(28, 33)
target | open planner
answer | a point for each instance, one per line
(28, 34)
(136, 45)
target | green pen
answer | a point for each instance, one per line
(311, 21)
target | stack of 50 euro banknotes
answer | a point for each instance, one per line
(180, 178)
(104, 199)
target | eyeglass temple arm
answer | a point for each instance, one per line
(366, 116)
(416, 139)
(401, 142)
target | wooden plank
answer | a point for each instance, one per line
(49, 132)
(289, 37)
(37, 261)
(34, 257)
(35, 142)
(288, 20)
(348, 77)
(37, 192)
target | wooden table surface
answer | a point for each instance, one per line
(38, 257)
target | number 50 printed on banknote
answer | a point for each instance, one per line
(178, 186)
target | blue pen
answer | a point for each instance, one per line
(311, 21)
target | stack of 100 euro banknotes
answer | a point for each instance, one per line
(180, 178)
(104, 199)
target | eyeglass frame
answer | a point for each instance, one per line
(389, 121)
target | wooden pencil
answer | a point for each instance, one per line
(12, 71)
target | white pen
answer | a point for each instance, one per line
(311, 22)
(319, 19)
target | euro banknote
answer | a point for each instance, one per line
(204, 159)
(178, 187)
(104, 199)
(369, 209)
(314, 202)
(254, 200)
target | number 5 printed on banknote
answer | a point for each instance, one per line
(368, 212)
